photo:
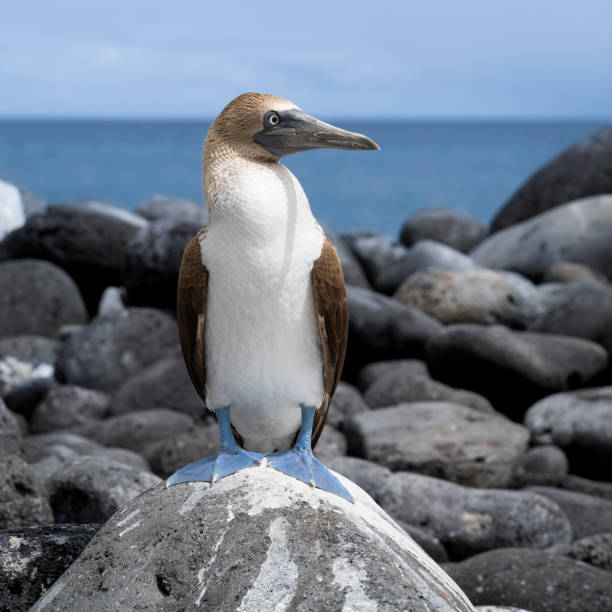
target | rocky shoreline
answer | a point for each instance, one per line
(475, 406)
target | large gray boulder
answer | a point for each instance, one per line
(579, 422)
(161, 207)
(445, 225)
(256, 540)
(37, 298)
(88, 239)
(472, 296)
(468, 520)
(595, 550)
(490, 360)
(440, 439)
(535, 580)
(108, 351)
(584, 169)
(578, 232)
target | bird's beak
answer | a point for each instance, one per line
(296, 131)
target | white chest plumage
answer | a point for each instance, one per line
(262, 345)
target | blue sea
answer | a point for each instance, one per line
(473, 166)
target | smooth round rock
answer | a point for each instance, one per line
(595, 550)
(468, 521)
(584, 169)
(87, 239)
(580, 423)
(578, 231)
(37, 298)
(570, 272)
(472, 296)
(373, 372)
(491, 360)
(351, 268)
(108, 351)
(346, 402)
(440, 439)
(174, 209)
(534, 580)
(549, 460)
(445, 225)
(254, 540)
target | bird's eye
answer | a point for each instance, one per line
(273, 119)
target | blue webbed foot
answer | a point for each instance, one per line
(211, 469)
(301, 464)
(231, 458)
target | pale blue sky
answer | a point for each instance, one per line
(470, 58)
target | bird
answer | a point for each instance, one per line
(261, 299)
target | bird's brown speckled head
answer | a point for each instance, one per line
(264, 127)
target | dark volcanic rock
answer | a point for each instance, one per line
(492, 360)
(23, 500)
(37, 298)
(136, 430)
(472, 296)
(332, 443)
(584, 169)
(582, 309)
(579, 232)
(67, 406)
(469, 520)
(91, 489)
(35, 447)
(371, 477)
(165, 384)
(168, 455)
(346, 402)
(426, 540)
(174, 209)
(382, 328)
(255, 540)
(440, 439)
(351, 268)
(10, 433)
(587, 514)
(595, 550)
(548, 460)
(445, 225)
(534, 580)
(33, 558)
(580, 423)
(152, 262)
(108, 351)
(408, 385)
(87, 239)
(372, 372)
(375, 252)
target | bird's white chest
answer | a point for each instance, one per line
(262, 343)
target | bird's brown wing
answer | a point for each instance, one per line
(332, 314)
(191, 313)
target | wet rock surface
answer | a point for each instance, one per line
(254, 539)
(440, 439)
(33, 558)
(534, 580)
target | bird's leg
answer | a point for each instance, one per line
(300, 463)
(231, 457)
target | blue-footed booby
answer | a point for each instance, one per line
(261, 304)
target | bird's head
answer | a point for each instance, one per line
(262, 126)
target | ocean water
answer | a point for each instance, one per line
(473, 166)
